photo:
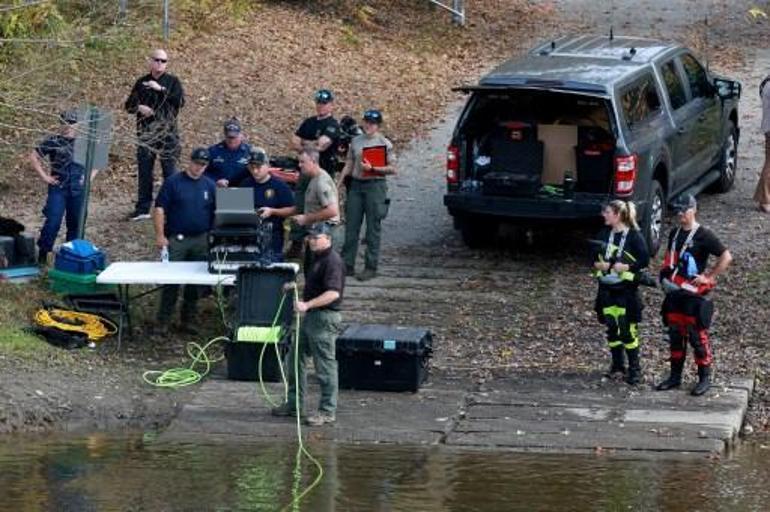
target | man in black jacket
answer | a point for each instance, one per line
(155, 99)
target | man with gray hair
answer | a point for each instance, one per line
(155, 99)
(321, 201)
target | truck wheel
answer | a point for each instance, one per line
(652, 223)
(478, 231)
(728, 164)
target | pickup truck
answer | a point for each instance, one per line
(581, 120)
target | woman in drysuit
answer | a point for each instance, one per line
(618, 262)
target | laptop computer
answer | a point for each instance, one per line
(235, 206)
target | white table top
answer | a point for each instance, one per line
(173, 272)
(156, 272)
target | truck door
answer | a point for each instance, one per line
(684, 117)
(707, 134)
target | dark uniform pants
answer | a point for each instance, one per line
(164, 144)
(62, 199)
(620, 311)
(688, 318)
(193, 248)
(366, 198)
(317, 339)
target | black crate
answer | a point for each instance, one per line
(260, 291)
(243, 361)
(383, 357)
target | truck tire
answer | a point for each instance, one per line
(652, 222)
(728, 163)
(478, 231)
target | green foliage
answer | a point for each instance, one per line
(201, 15)
(37, 20)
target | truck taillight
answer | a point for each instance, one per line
(452, 165)
(625, 175)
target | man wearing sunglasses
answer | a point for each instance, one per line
(155, 100)
(229, 164)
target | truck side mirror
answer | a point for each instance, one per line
(727, 89)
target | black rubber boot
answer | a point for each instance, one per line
(618, 364)
(675, 379)
(704, 381)
(634, 369)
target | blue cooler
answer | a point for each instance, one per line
(80, 257)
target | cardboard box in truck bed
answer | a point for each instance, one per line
(559, 151)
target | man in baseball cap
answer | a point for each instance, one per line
(687, 279)
(229, 162)
(184, 211)
(321, 301)
(683, 203)
(273, 199)
(320, 132)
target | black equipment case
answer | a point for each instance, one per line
(231, 247)
(260, 290)
(383, 357)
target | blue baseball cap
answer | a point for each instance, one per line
(373, 116)
(232, 126)
(323, 96)
(200, 155)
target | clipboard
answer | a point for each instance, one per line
(377, 156)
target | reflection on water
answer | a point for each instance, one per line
(104, 473)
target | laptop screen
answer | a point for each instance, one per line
(235, 206)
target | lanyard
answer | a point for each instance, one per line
(685, 246)
(621, 245)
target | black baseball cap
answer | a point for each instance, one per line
(324, 96)
(320, 228)
(683, 203)
(69, 117)
(200, 155)
(373, 116)
(258, 156)
(232, 126)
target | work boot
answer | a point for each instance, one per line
(674, 380)
(704, 381)
(634, 369)
(618, 368)
(284, 410)
(367, 274)
(320, 419)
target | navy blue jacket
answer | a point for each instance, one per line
(227, 164)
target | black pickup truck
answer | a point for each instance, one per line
(579, 121)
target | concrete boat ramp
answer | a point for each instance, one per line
(562, 414)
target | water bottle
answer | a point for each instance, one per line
(568, 186)
(164, 254)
